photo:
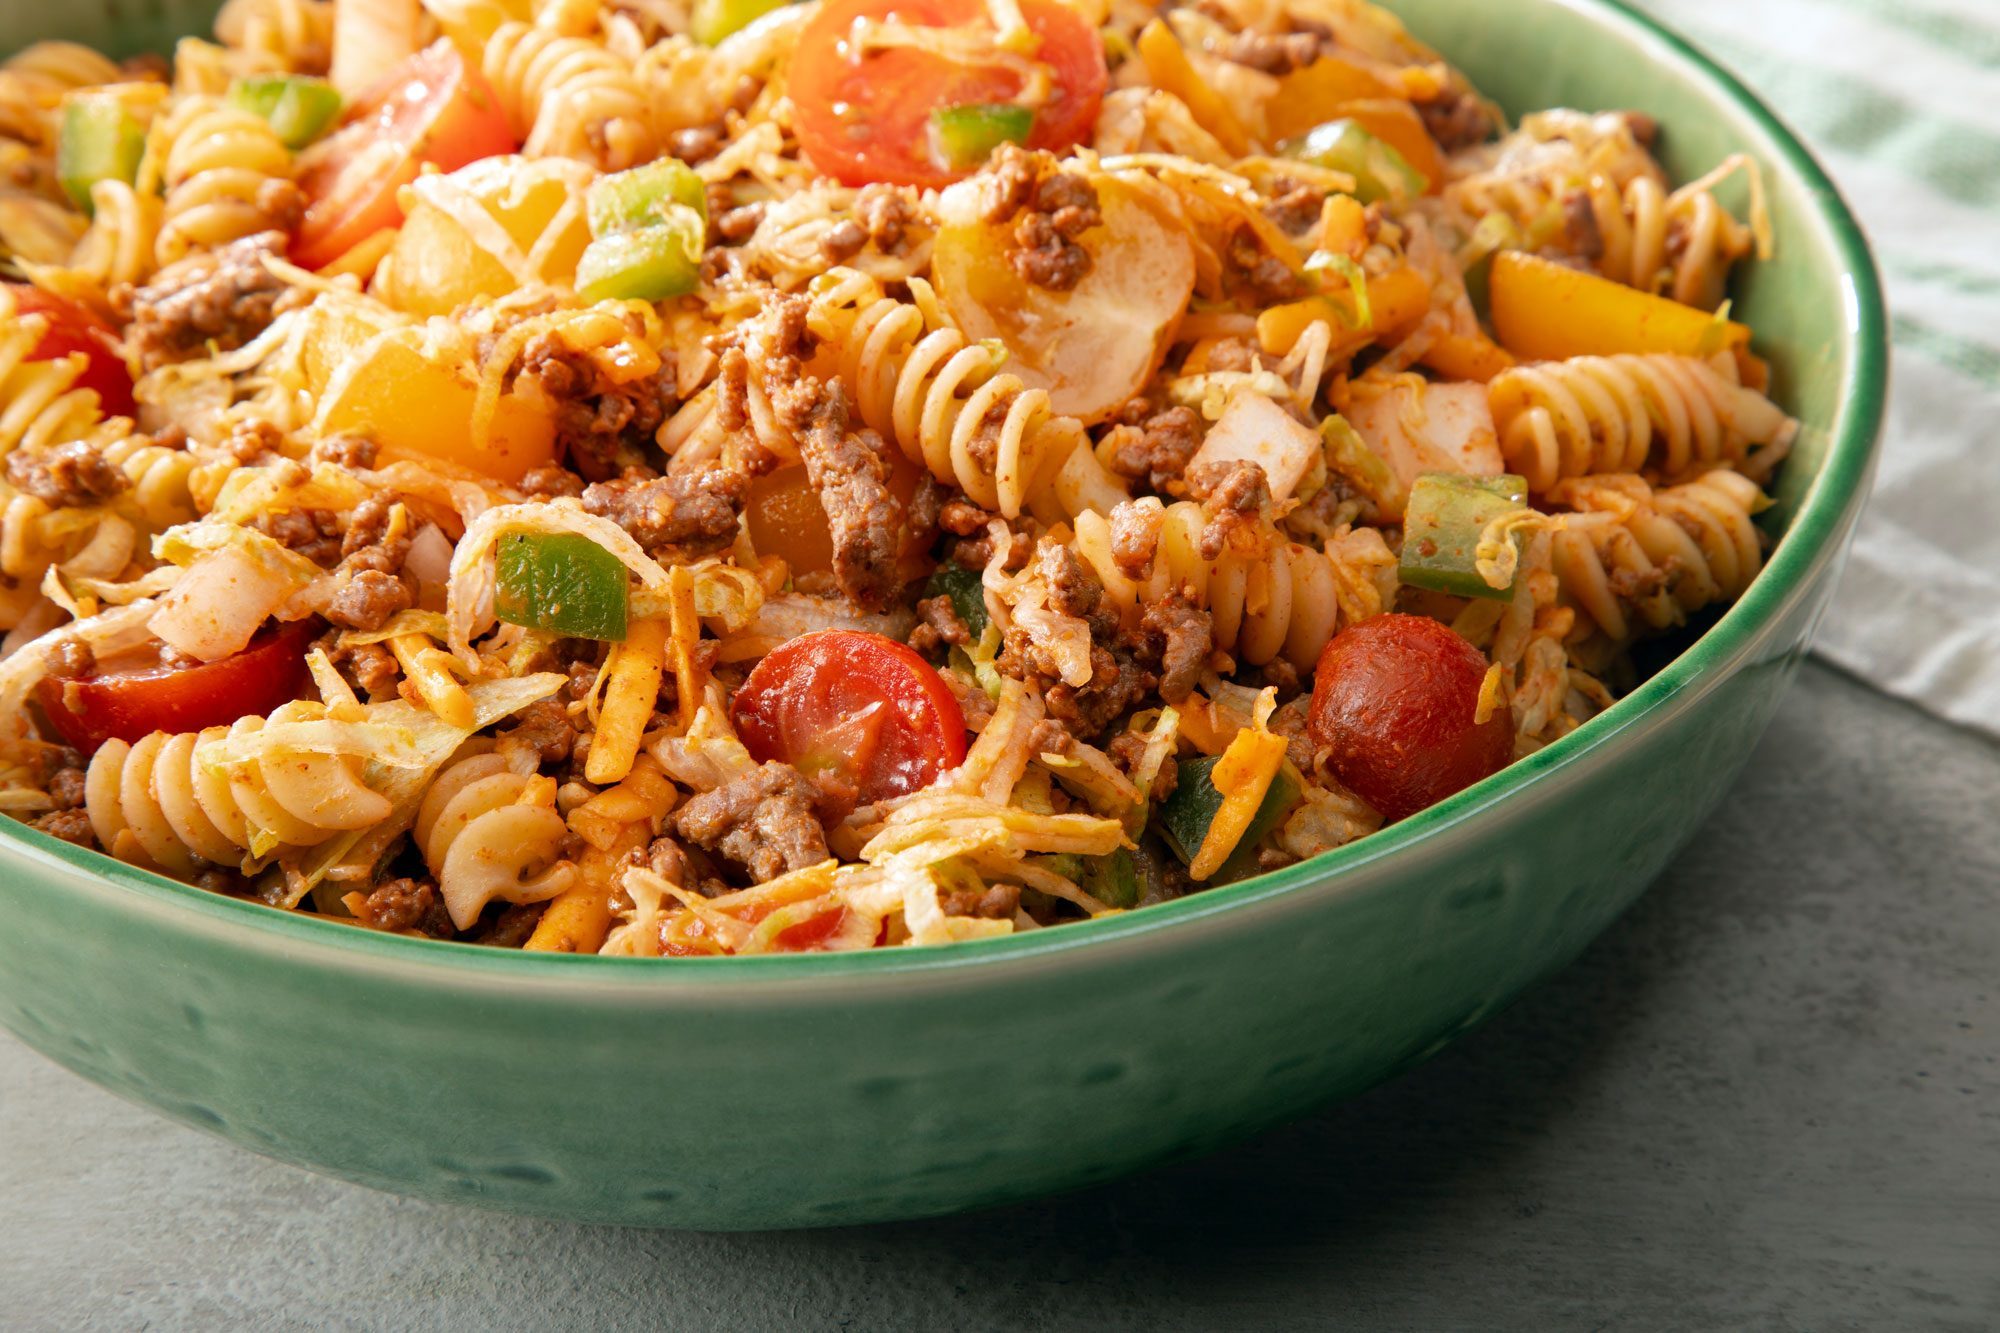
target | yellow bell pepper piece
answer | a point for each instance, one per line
(1396, 301)
(1313, 95)
(1543, 311)
(414, 408)
(1168, 65)
(1467, 357)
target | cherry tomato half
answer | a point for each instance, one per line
(431, 108)
(864, 717)
(75, 329)
(130, 705)
(1394, 699)
(868, 120)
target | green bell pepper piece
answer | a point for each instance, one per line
(1442, 524)
(99, 140)
(967, 591)
(1186, 815)
(651, 264)
(1379, 171)
(563, 583)
(713, 20)
(967, 135)
(642, 197)
(300, 109)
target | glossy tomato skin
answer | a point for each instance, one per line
(861, 715)
(129, 706)
(433, 108)
(1394, 699)
(72, 328)
(869, 121)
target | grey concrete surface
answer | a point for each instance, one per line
(1768, 1098)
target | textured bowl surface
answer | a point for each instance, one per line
(838, 1089)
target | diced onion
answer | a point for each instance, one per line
(219, 603)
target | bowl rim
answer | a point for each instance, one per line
(1812, 539)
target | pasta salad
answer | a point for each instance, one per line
(691, 477)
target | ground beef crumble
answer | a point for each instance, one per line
(1273, 53)
(1158, 445)
(72, 475)
(406, 905)
(1177, 639)
(69, 658)
(603, 428)
(996, 903)
(885, 213)
(938, 626)
(1292, 721)
(544, 727)
(1234, 494)
(688, 512)
(316, 534)
(1128, 748)
(370, 667)
(1135, 537)
(762, 822)
(69, 825)
(850, 470)
(220, 299)
(368, 586)
(1253, 275)
(1457, 120)
(1293, 207)
(1050, 209)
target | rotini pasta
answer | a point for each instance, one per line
(292, 35)
(33, 82)
(161, 803)
(568, 96)
(663, 480)
(226, 175)
(121, 247)
(491, 831)
(1586, 185)
(1631, 557)
(951, 407)
(1669, 415)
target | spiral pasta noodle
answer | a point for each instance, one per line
(120, 247)
(950, 407)
(1283, 601)
(156, 803)
(290, 35)
(1673, 415)
(32, 84)
(568, 96)
(226, 175)
(1630, 557)
(1561, 169)
(40, 403)
(490, 831)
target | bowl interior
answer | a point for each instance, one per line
(1815, 307)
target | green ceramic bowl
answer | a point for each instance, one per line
(780, 1092)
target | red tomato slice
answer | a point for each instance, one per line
(863, 716)
(72, 328)
(868, 120)
(1394, 699)
(431, 108)
(130, 705)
